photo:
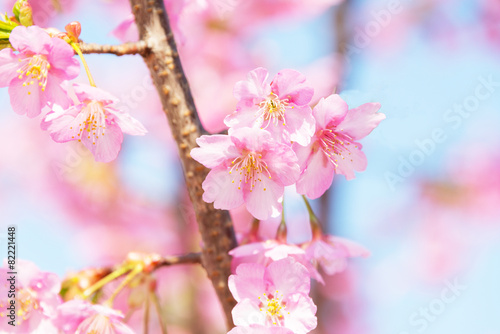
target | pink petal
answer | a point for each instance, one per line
(360, 121)
(292, 85)
(353, 248)
(246, 313)
(247, 282)
(282, 162)
(317, 177)
(254, 87)
(263, 201)
(214, 150)
(8, 66)
(26, 100)
(127, 30)
(288, 277)
(243, 117)
(303, 153)
(331, 110)
(127, 123)
(61, 60)
(105, 148)
(300, 124)
(54, 93)
(250, 138)
(351, 159)
(259, 329)
(30, 39)
(64, 127)
(300, 316)
(220, 189)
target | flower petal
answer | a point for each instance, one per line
(213, 150)
(127, 123)
(254, 87)
(300, 124)
(61, 60)
(360, 121)
(220, 189)
(26, 99)
(31, 39)
(246, 313)
(330, 110)
(105, 148)
(350, 159)
(317, 177)
(292, 85)
(263, 201)
(288, 277)
(8, 66)
(248, 282)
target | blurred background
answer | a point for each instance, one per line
(427, 207)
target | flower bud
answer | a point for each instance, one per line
(73, 30)
(26, 14)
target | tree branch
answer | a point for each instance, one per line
(163, 61)
(119, 50)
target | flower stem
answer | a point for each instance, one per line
(313, 220)
(114, 275)
(146, 315)
(76, 47)
(137, 270)
(156, 302)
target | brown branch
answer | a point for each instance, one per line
(163, 61)
(190, 258)
(118, 50)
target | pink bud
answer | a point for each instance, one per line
(73, 29)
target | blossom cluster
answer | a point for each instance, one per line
(275, 139)
(40, 309)
(37, 71)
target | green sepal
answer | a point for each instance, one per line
(17, 9)
(7, 25)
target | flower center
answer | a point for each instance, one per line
(250, 167)
(272, 111)
(26, 302)
(34, 70)
(95, 122)
(273, 306)
(334, 144)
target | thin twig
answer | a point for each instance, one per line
(133, 48)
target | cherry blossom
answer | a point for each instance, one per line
(268, 251)
(259, 329)
(334, 148)
(248, 167)
(34, 75)
(281, 107)
(95, 120)
(81, 317)
(331, 252)
(37, 297)
(276, 295)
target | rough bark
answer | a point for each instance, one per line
(163, 61)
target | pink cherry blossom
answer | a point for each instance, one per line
(259, 329)
(281, 107)
(34, 75)
(268, 251)
(333, 148)
(37, 297)
(95, 120)
(331, 253)
(276, 295)
(249, 167)
(81, 317)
